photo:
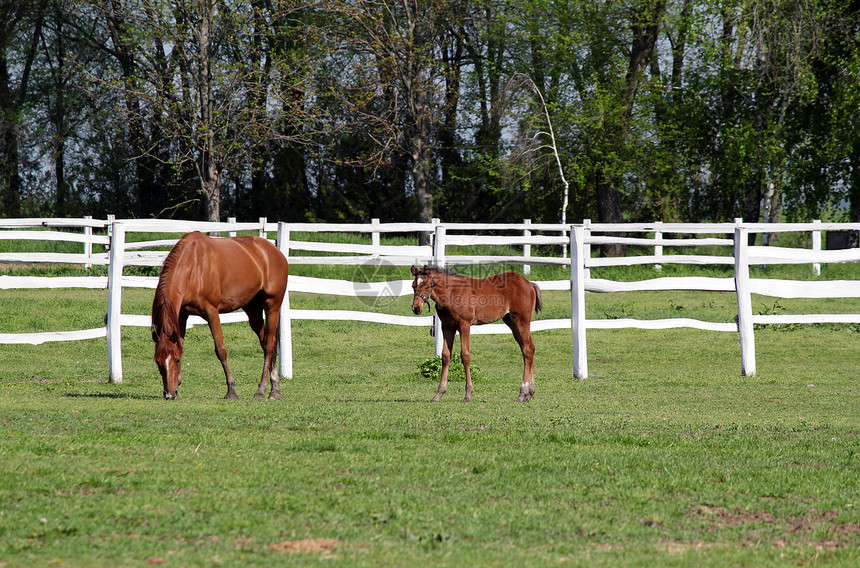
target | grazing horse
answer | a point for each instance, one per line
(462, 302)
(205, 276)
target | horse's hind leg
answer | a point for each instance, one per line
(270, 348)
(218, 337)
(523, 334)
(261, 328)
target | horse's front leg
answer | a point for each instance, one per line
(448, 333)
(217, 336)
(467, 359)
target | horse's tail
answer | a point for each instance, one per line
(538, 300)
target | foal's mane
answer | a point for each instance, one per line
(440, 270)
(165, 321)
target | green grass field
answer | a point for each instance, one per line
(665, 456)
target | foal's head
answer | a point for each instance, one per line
(422, 287)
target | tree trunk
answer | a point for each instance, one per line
(10, 178)
(854, 183)
(211, 199)
(210, 178)
(421, 179)
(609, 210)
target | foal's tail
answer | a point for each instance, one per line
(538, 300)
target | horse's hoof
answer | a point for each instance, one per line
(231, 396)
(259, 395)
(275, 396)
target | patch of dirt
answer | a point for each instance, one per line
(795, 531)
(306, 545)
(675, 548)
(736, 517)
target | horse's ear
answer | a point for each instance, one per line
(415, 271)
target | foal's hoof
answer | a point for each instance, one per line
(259, 395)
(231, 396)
(274, 396)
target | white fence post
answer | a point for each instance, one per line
(577, 301)
(742, 289)
(586, 248)
(438, 260)
(114, 343)
(816, 246)
(658, 249)
(285, 324)
(262, 232)
(232, 221)
(88, 246)
(374, 238)
(527, 248)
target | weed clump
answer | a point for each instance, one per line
(431, 369)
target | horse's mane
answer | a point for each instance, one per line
(165, 320)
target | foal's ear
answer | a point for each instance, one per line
(415, 271)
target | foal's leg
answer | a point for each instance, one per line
(217, 336)
(467, 359)
(522, 333)
(448, 335)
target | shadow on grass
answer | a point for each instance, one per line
(112, 395)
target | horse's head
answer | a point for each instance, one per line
(168, 340)
(422, 288)
(168, 358)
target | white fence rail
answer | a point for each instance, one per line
(120, 252)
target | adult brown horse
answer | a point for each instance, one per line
(462, 302)
(206, 276)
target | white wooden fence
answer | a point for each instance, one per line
(743, 256)
(123, 251)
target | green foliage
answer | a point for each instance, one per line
(736, 96)
(431, 369)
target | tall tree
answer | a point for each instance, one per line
(20, 33)
(645, 19)
(395, 49)
(211, 83)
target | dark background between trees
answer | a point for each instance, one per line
(344, 110)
